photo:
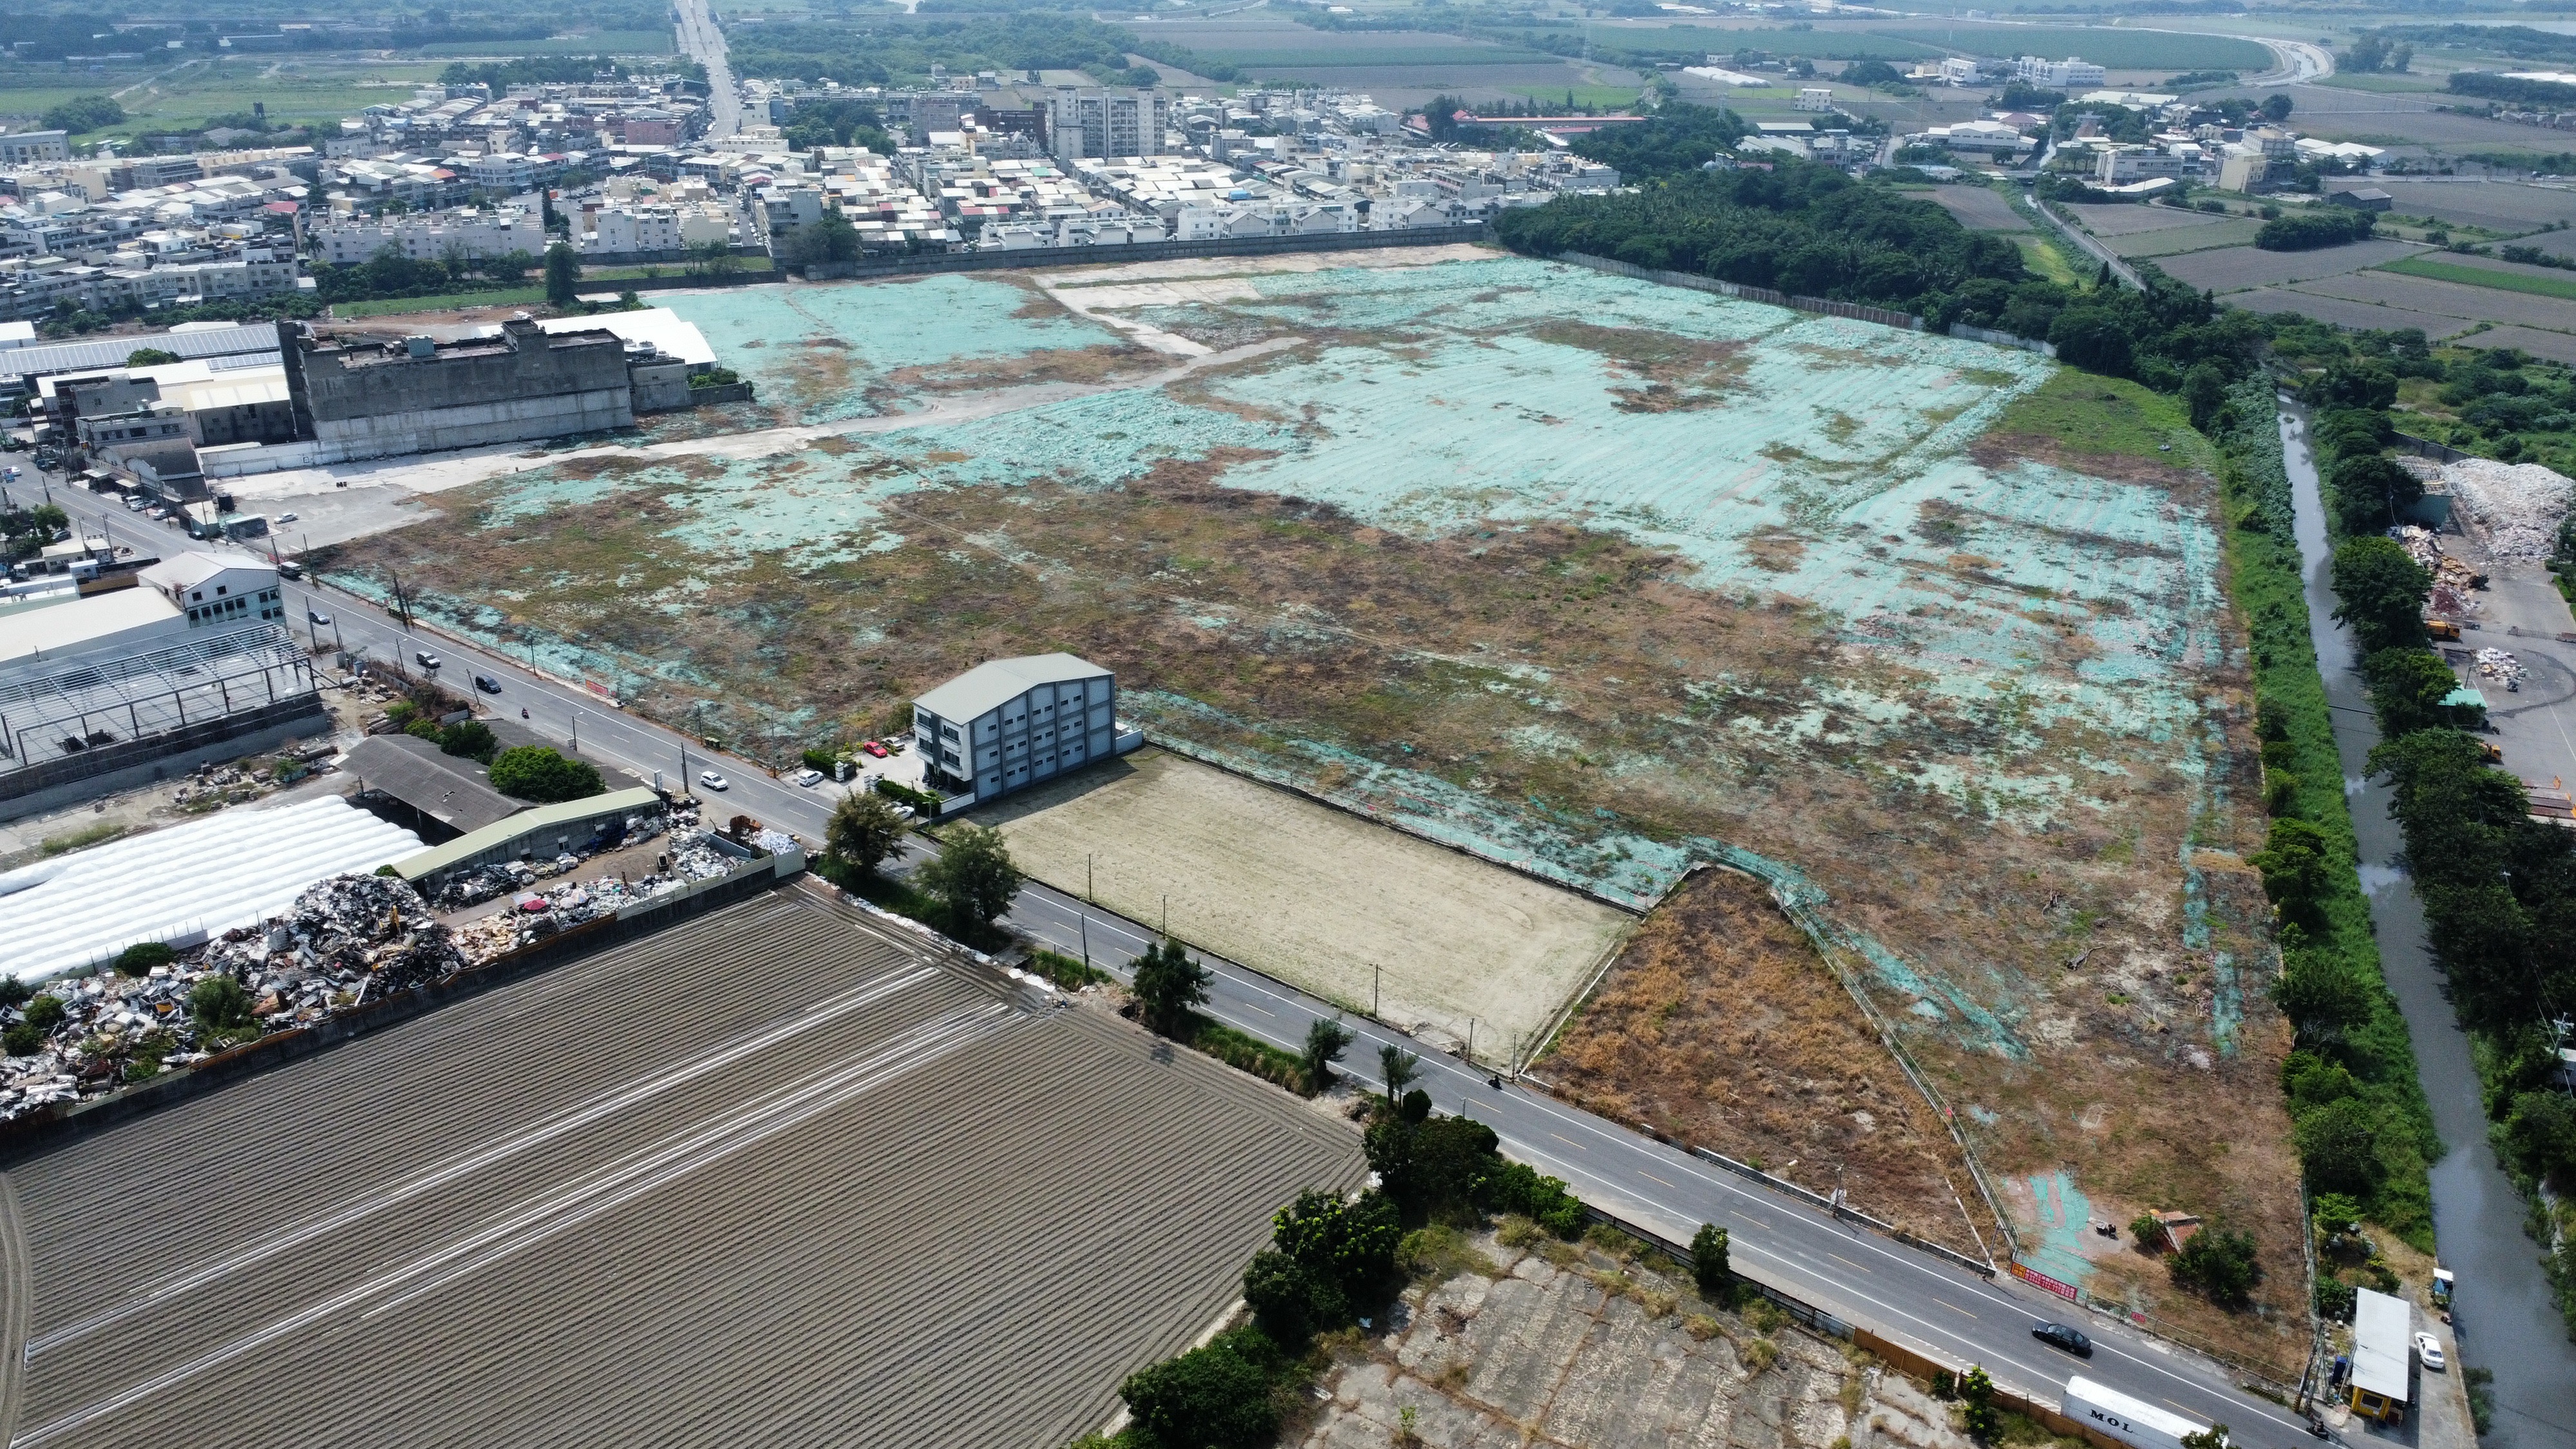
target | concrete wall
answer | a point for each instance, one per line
(371, 401)
(432, 430)
(71, 779)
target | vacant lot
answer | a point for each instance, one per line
(1590, 576)
(1979, 207)
(2115, 219)
(763, 1179)
(2235, 269)
(1713, 1026)
(2343, 313)
(2172, 241)
(1314, 896)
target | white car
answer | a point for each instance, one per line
(713, 781)
(286, 518)
(809, 778)
(2429, 1349)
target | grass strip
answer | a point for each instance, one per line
(2264, 577)
(2434, 271)
(1248, 1054)
(395, 306)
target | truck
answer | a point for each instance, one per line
(2129, 1420)
(2442, 628)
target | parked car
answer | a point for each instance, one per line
(895, 743)
(2059, 1335)
(424, 659)
(714, 781)
(286, 518)
(2429, 1349)
(487, 684)
(809, 778)
(876, 749)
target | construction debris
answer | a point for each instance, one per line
(2502, 667)
(534, 916)
(2452, 579)
(2517, 505)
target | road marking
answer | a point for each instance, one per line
(1955, 1308)
(1650, 1177)
(1846, 1262)
(1248, 1006)
(1570, 1142)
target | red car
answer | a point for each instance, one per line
(876, 749)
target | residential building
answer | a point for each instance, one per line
(471, 234)
(507, 173)
(34, 148)
(1012, 723)
(2057, 75)
(2118, 165)
(1085, 122)
(1814, 98)
(212, 590)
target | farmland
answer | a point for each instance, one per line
(1594, 578)
(294, 90)
(2120, 49)
(658, 1169)
(2233, 269)
(1316, 897)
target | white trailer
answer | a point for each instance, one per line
(2131, 1421)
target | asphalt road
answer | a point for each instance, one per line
(1847, 1271)
(702, 41)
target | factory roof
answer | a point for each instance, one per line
(991, 685)
(184, 883)
(658, 325)
(439, 786)
(527, 822)
(68, 627)
(2381, 1338)
(111, 352)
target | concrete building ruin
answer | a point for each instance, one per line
(380, 399)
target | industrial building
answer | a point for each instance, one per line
(381, 399)
(1011, 723)
(184, 884)
(546, 831)
(411, 782)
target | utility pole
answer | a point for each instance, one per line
(1167, 916)
(1377, 974)
(1087, 897)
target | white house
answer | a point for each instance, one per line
(1011, 723)
(213, 590)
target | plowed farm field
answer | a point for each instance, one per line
(765, 1178)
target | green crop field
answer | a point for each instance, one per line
(605, 42)
(1463, 53)
(2435, 271)
(1814, 44)
(2119, 49)
(294, 90)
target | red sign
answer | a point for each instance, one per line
(2042, 1280)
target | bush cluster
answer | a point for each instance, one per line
(2323, 226)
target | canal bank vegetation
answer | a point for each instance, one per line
(2497, 885)
(2363, 1128)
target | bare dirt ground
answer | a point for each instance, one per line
(1314, 896)
(1719, 1025)
(1583, 1345)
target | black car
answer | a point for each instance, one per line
(487, 684)
(2063, 1337)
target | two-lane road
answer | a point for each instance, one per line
(1853, 1274)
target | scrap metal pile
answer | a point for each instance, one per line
(474, 887)
(534, 916)
(2452, 579)
(346, 940)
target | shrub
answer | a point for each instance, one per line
(1977, 1391)
(1325, 1042)
(536, 772)
(2308, 230)
(142, 956)
(422, 727)
(469, 739)
(2296, 861)
(2339, 1144)
(1708, 1265)
(219, 1002)
(2219, 1264)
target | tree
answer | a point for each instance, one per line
(830, 240)
(2318, 994)
(1396, 1067)
(563, 274)
(973, 877)
(2297, 862)
(219, 1003)
(2219, 1264)
(2276, 108)
(2204, 391)
(2407, 687)
(2213, 1437)
(468, 738)
(1325, 1041)
(83, 114)
(2147, 1232)
(2368, 491)
(1977, 1392)
(863, 831)
(1216, 1397)
(1168, 986)
(2339, 1147)
(1708, 1265)
(151, 357)
(1289, 1302)
(2334, 1212)
(536, 772)
(142, 956)
(2092, 338)
(2382, 593)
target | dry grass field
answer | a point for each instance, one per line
(1315, 896)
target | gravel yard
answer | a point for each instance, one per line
(2237, 268)
(1314, 896)
(764, 1178)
